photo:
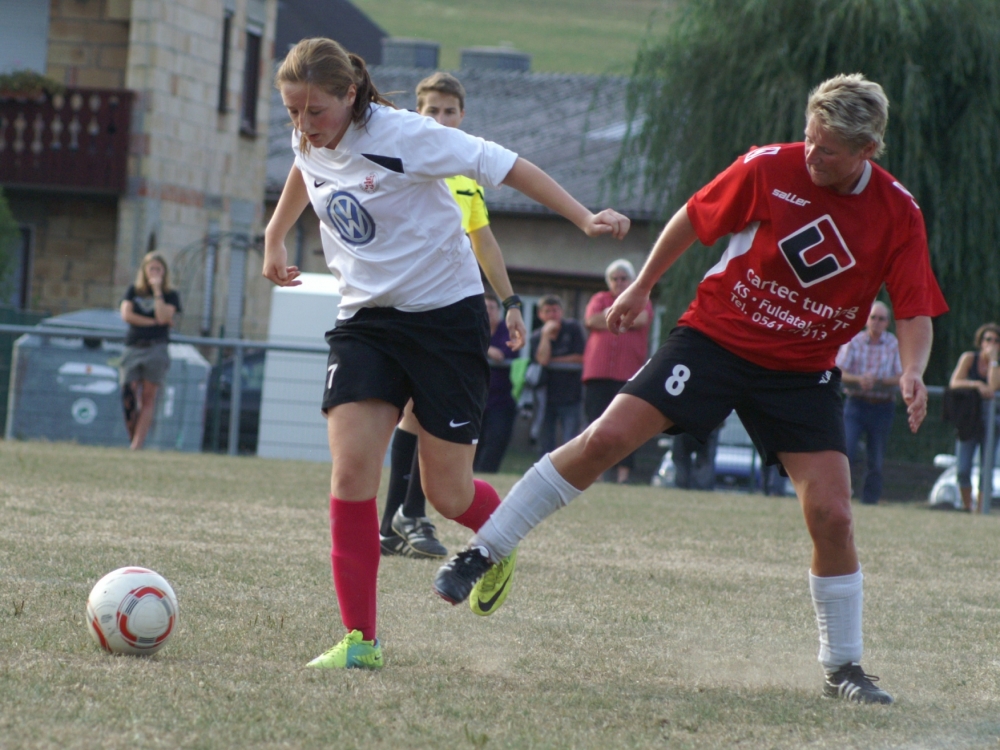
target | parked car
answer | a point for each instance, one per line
(218, 405)
(737, 464)
(945, 494)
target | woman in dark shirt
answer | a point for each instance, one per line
(149, 307)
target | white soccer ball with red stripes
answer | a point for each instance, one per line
(132, 611)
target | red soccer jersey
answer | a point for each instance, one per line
(805, 263)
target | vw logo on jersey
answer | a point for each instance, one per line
(352, 221)
(817, 251)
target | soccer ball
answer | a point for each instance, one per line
(132, 611)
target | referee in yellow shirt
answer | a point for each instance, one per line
(405, 529)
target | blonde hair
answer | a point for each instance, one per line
(325, 64)
(443, 83)
(142, 280)
(853, 108)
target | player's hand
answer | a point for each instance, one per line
(607, 221)
(915, 396)
(867, 382)
(626, 308)
(516, 328)
(275, 268)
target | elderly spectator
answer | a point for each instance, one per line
(611, 359)
(870, 370)
(976, 370)
(559, 341)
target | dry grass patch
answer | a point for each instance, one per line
(640, 618)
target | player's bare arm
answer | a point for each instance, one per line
(526, 178)
(915, 338)
(677, 236)
(294, 198)
(490, 257)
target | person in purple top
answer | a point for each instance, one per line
(498, 419)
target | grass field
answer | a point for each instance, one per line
(639, 618)
(563, 36)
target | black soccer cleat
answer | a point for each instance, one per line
(852, 684)
(457, 577)
(420, 535)
(394, 545)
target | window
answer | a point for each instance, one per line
(251, 82)
(15, 286)
(227, 33)
(24, 36)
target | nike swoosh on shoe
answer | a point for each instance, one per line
(488, 604)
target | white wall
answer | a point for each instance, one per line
(291, 424)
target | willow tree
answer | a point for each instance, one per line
(730, 74)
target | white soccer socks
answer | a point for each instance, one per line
(539, 493)
(838, 601)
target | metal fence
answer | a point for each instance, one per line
(303, 374)
(237, 349)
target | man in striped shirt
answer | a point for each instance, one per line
(870, 369)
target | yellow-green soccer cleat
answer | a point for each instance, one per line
(351, 653)
(491, 590)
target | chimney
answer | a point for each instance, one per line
(409, 53)
(496, 58)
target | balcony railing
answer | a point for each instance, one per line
(74, 140)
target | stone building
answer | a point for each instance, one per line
(159, 141)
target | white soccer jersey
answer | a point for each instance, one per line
(392, 232)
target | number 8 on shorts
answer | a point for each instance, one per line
(675, 383)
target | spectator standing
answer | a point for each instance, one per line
(870, 370)
(976, 370)
(498, 419)
(148, 307)
(559, 341)
(609, 360)
(694, 461)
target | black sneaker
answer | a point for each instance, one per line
(852, 684)
(394, 545)
(418, 534)
(457, 577)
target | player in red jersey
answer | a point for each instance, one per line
(817, 228)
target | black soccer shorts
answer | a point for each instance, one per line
(436, 357)
(695, 383)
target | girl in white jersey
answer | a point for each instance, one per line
(412, 319)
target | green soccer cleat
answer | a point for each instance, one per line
(491, 590)
(351, 653)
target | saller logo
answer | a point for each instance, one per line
(816, 252)
(790, 197)
(354, 224)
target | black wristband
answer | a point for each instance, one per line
(513, 301)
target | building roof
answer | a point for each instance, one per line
(569, 125)
(334, 19)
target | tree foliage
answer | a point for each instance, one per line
(730, 74)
